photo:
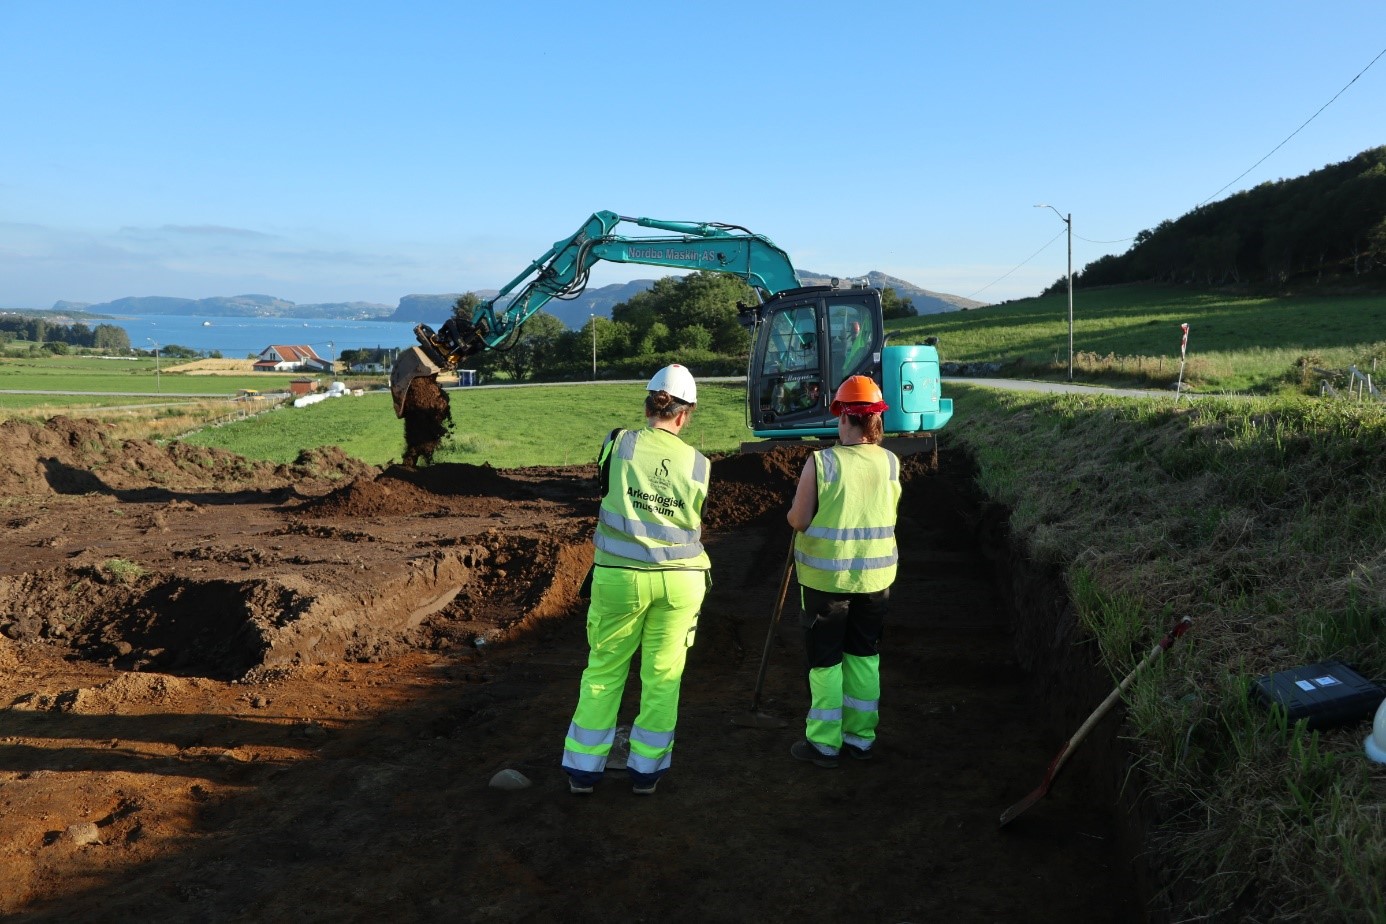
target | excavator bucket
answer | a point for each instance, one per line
(411, 364)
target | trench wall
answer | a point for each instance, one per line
(1063, 664)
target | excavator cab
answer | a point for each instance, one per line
(807, 341)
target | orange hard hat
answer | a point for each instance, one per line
(858, 394)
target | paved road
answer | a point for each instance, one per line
(1055, 388)
(1011, 384)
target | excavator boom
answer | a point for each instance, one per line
(807, 340)
(562, 272)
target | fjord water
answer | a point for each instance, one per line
(237, 338)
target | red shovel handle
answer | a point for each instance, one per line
(1042, 790)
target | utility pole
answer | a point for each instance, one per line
(593, 319)
(158, 386)
(1068, 220)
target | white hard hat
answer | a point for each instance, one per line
(677, 381)
(1376, 741)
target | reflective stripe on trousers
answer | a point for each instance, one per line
(844, 704)
(655, 612)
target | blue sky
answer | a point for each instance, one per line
(365, 151)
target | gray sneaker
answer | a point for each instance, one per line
(578, 790)
(644, 789)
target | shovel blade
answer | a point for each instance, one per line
(1010, 814)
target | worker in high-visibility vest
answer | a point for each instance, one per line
(649, 576)
(845, 557)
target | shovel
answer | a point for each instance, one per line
(1042, 790)
(754, 718)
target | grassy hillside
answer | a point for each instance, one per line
(1129, 335)
(1265, 521)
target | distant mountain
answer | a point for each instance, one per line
(235, 306)
(925, 302)
(599, 301)
(433, 310)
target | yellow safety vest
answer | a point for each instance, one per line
(651, 515)
(850, 545)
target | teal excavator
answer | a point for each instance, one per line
(806, 339)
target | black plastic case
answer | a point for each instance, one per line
(1328, 694)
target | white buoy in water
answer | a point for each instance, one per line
(1376, 741)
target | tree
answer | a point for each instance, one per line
(654, 340)
(536, 343)
(465, 305)
(693, 337)
(706, 300)
(111, 339)
(893, 306)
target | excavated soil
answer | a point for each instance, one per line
(232, 691)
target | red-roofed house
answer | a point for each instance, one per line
(291, 358)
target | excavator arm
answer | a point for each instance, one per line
(562, 273)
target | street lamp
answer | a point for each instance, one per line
(593, 319)
(332, 351)
(1068, 220)
(158, 386)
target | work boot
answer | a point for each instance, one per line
(577, 788)
(804, 750)
(857, 753)
(645, 789)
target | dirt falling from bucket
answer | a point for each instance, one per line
(427, 419)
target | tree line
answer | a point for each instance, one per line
(1328, 226)
(106, 337)
(691, 319)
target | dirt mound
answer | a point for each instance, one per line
(403, 491)
(753, 485)
(127, 692)
(80, 456)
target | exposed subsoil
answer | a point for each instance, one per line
(232, 691)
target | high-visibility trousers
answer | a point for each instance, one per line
(842, 634)
(655, 612)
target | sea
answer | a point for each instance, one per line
(237, 338)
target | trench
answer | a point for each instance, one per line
(984, 674)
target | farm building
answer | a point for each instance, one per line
(291, 358)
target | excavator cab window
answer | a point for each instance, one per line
(805, 347)
(852, 326)
(790, 384)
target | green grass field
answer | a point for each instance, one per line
(505, 427)
(80, 373)
(1130, 335)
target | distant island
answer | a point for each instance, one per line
(434, 309)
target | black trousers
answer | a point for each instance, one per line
(837, 624)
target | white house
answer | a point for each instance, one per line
(291, 358)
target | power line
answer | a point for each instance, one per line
(1020, 264)
(1120, 240)
(1298, 130)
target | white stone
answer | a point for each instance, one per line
(510, 779)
